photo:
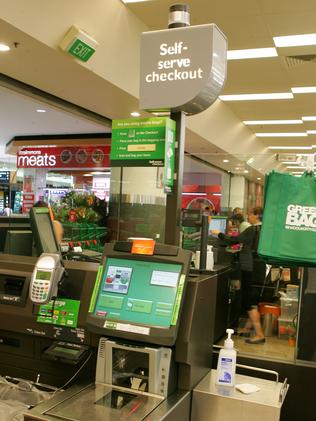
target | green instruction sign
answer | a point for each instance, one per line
(169, 156)
(139, 142)
(64, 313)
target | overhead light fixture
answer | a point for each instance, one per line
(304, 90)
(295, 40)
(256, 97)
(40, 110)
(216, 194)
(267, 122)
(4, 47)
(291, 147)
(311, 131)
(290, 134)
(100, 172)
(258, 178)
(251, 53)
(295, 167)
(193, 194)
(246, 171)
(133, 1)
(250, 160)
(87, 175)
(289, 162)
(309, 118)
(135, 114)
(225, 160)
(297, 172)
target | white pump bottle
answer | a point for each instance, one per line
(226, 365)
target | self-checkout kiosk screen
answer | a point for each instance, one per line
(138, 291)
(218, 223)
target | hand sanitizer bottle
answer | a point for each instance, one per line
(226, 365)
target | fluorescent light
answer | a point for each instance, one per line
(40, 110)
(258, 178)
(295, 40)
(295, 167)
(311, 131)
(291, 147)
(225, 160)
(304, 90)
(297, 172)
(135, 114)
(193, 194)
(290, 134)
(251, 53)
(256, 97)
(216, 194)
(87, 175)
(4, 47)
(246, 171)
(309, 118)
(289, 162)
(250, 160)
(133, 1)
(262, 122)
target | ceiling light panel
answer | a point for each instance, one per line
(290, 147)
(295, 40)
(309, 118)
(251, 53)
(268, 122)
(294, 134)
(256, 97)
(304, 90)
(4, 47)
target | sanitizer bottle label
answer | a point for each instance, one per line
(225, 371)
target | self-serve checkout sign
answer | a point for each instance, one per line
(182, 69)
(145, 142)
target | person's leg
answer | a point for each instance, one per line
(254, 316)
(246, 277)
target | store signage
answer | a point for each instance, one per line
(93, 157)
(139, 142)
(28, 200)
(182, 69)
(79, 44)
(4, 177)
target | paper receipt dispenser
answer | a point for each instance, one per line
(46, 276)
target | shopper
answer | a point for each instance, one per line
(251, 269)
(240, 222)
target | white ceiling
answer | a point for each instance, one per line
(246, 23)
(18, 117)
(252, 24)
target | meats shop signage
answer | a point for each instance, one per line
(64, 157)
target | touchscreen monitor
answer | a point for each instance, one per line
(139, 292)
(218, 223)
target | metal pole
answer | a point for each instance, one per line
(178, 17)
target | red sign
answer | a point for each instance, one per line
(64, 157)
(28, 202)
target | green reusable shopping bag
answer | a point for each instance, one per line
(288, 233)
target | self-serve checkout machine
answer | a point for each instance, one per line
(154, 324)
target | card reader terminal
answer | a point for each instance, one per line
(66, 352)
(46, 275)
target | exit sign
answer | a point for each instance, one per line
(81, 50)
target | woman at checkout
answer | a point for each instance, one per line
(252, 268)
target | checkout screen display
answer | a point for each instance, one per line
(218, 223)
(138, 291)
